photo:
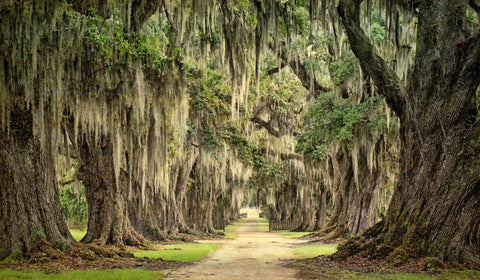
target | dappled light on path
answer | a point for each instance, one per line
(252, 255)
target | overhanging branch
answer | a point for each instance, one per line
(267, 126)
(300, 71)
(384, 78)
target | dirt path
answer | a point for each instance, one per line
(252, 255)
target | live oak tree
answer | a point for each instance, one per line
(435, 209)
(87, 67)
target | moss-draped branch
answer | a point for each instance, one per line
(384, 78)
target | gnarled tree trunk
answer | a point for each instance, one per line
(30, 210)
(106, 195)
(435, 209)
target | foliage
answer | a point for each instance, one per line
(472, 17)
(377, 32)
(211, 96)
(108, 274)
(283, 93)
(249, 154)
(72, 198)
(302, 20)
(343, 68)
(188, 252)
(210, 102)
(333, 119)
(117, 46)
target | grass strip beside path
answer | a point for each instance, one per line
(231, 228)
(187, 252)
(314, 250)
(108, 274)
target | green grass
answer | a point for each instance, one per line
(230, 229)
(187, 252)
(262, 225)
(292, 234)
(310, 251)
(441, 275)
(78, 234)
(109, 274)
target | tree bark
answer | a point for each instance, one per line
(355, 199)
(107, 196)
(308, 217)
(435, 209)
(30, 210)
(321, 212)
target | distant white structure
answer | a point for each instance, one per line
(251, 212)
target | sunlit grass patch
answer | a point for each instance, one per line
(78, 234)
(293, 234)
(109, 274)
(180, 252)
(230, 229)
(262, 225)
(310, 251)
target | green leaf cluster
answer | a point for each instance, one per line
(210, 102)
(343, 68)
(117, 46)
(249, 154)
(377, 32)
(333, 119)
(72, 198)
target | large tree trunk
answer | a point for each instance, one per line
(178, 194)
(356, 199)
(308, 219)
(321, 212)
(435, 209)
(107, 196)
(30, 210)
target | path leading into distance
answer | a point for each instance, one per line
(252, 255)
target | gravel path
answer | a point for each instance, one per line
(252, 255)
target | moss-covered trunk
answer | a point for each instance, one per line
(321, 212)
(435, 209)
(30, 210)
(107, 195)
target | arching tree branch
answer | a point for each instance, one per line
(141, 11)
(384, 78)
(300, 70)
(267, 125)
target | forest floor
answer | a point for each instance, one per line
(253, 254)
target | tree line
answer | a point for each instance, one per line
(349, 117)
